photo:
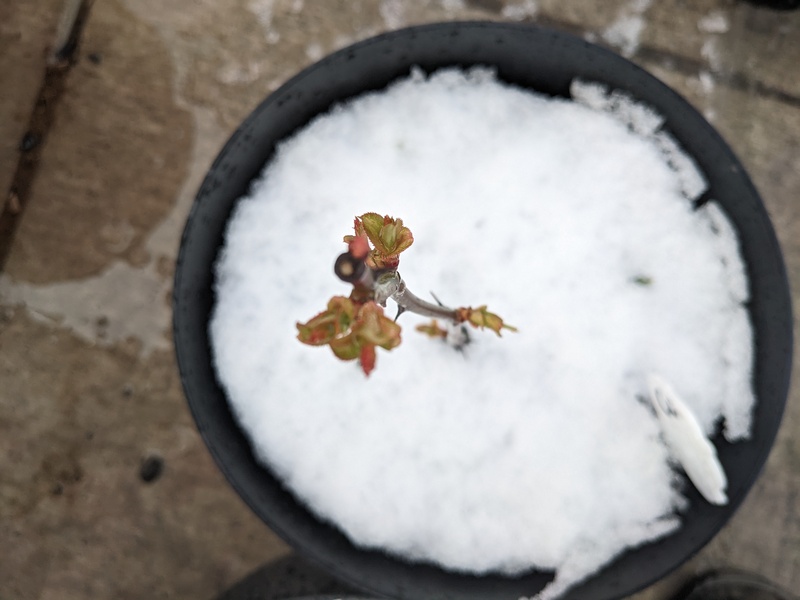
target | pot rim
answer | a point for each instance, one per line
(369, 65)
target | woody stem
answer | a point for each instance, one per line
(391, 285)
(388, 284)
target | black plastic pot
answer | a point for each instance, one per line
(545, 61)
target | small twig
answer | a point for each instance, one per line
(391, 285)
(388, 284)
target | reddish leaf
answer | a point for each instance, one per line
(367, 359)
(358, 246)
(327, 325)
(374, 328)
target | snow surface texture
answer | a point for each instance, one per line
(572, 222)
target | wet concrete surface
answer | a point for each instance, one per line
(106, 490)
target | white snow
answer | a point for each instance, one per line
(393, 13)
(535, 450)
(453, 5)
(526, 9)
(706, 81)
(624, 33)
(641, 118)
(263, 11)
(626, 30)
(714, 22)
(710, 51)
(646, 122)
(314, 51)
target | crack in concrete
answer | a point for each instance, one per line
(59, 64)
(125, 302)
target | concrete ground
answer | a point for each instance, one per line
(106, 490)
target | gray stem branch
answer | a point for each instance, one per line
(391, 285)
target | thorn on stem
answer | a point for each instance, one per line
(400, 311)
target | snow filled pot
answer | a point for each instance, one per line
(552, 64)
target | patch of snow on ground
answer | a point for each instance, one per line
(714, 22)
(706, 81)
(527, 9)
(314, 51)
(263, 11)
(710, 51)
(453, 5)
(393, 13)
(625, 32)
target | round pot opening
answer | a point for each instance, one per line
(548, 62)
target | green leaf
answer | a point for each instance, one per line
(327, 325)
(373, 223)
(347, 347)
(374, 328)
(395, 237)
(432, 329)
(352, 330)
(480, 317)
(404, 239)
(388, 236)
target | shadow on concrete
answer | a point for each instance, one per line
(289, 577)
